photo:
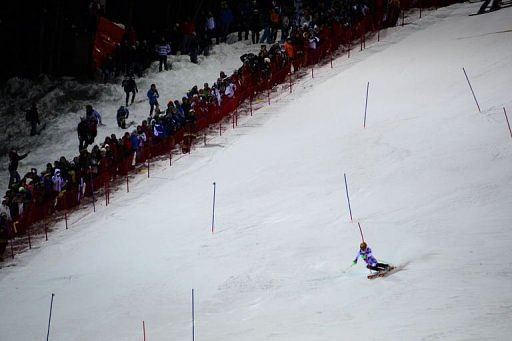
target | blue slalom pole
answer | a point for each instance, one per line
(366, 104)
(471, 88)
(193, 318)
(50, 318)
(348, 198)
(213, 210)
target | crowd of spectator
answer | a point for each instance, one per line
(306, 35)
(264, 21)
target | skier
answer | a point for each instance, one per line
(371, 263)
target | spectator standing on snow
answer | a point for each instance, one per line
(32, 116)
(163, 50)
(226, 18)
(122, 115)
(153, 98)
(130, 87)
(92, 114)
(14, 159)
(4, 234)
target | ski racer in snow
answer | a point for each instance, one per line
(371, 263)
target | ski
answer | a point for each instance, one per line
(383, 273)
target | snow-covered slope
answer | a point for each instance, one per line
(430, 181)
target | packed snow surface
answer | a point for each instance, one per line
(430, 182)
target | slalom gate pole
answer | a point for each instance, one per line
(250, 101)
(508, 123)
(144, 330)
(366, 104)
(403, 17)
(213, 209)
(360, 231)
(233, 120)
(50, 318)
(148, 168)
(45, 229)
(268, 95)
(29, 239)
(290, 81)
(170, 157)
(312, 74)
(348, 198)
(12, 249)
(66, 218)
(127, 185)
(92, 191)
(470, 87)
(204, 139)
(220, 127)
(420, 12)
(193, 318)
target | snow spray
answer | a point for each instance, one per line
(50, 318)
(348, 198)
(366, 104)
(470, 87)
(213, 209)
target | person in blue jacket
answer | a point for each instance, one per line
(153, 98)
(371, 262)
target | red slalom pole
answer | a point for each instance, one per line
(360, 231)
(290, 82)
(29, 240)
(508, 123)
(12, 250)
